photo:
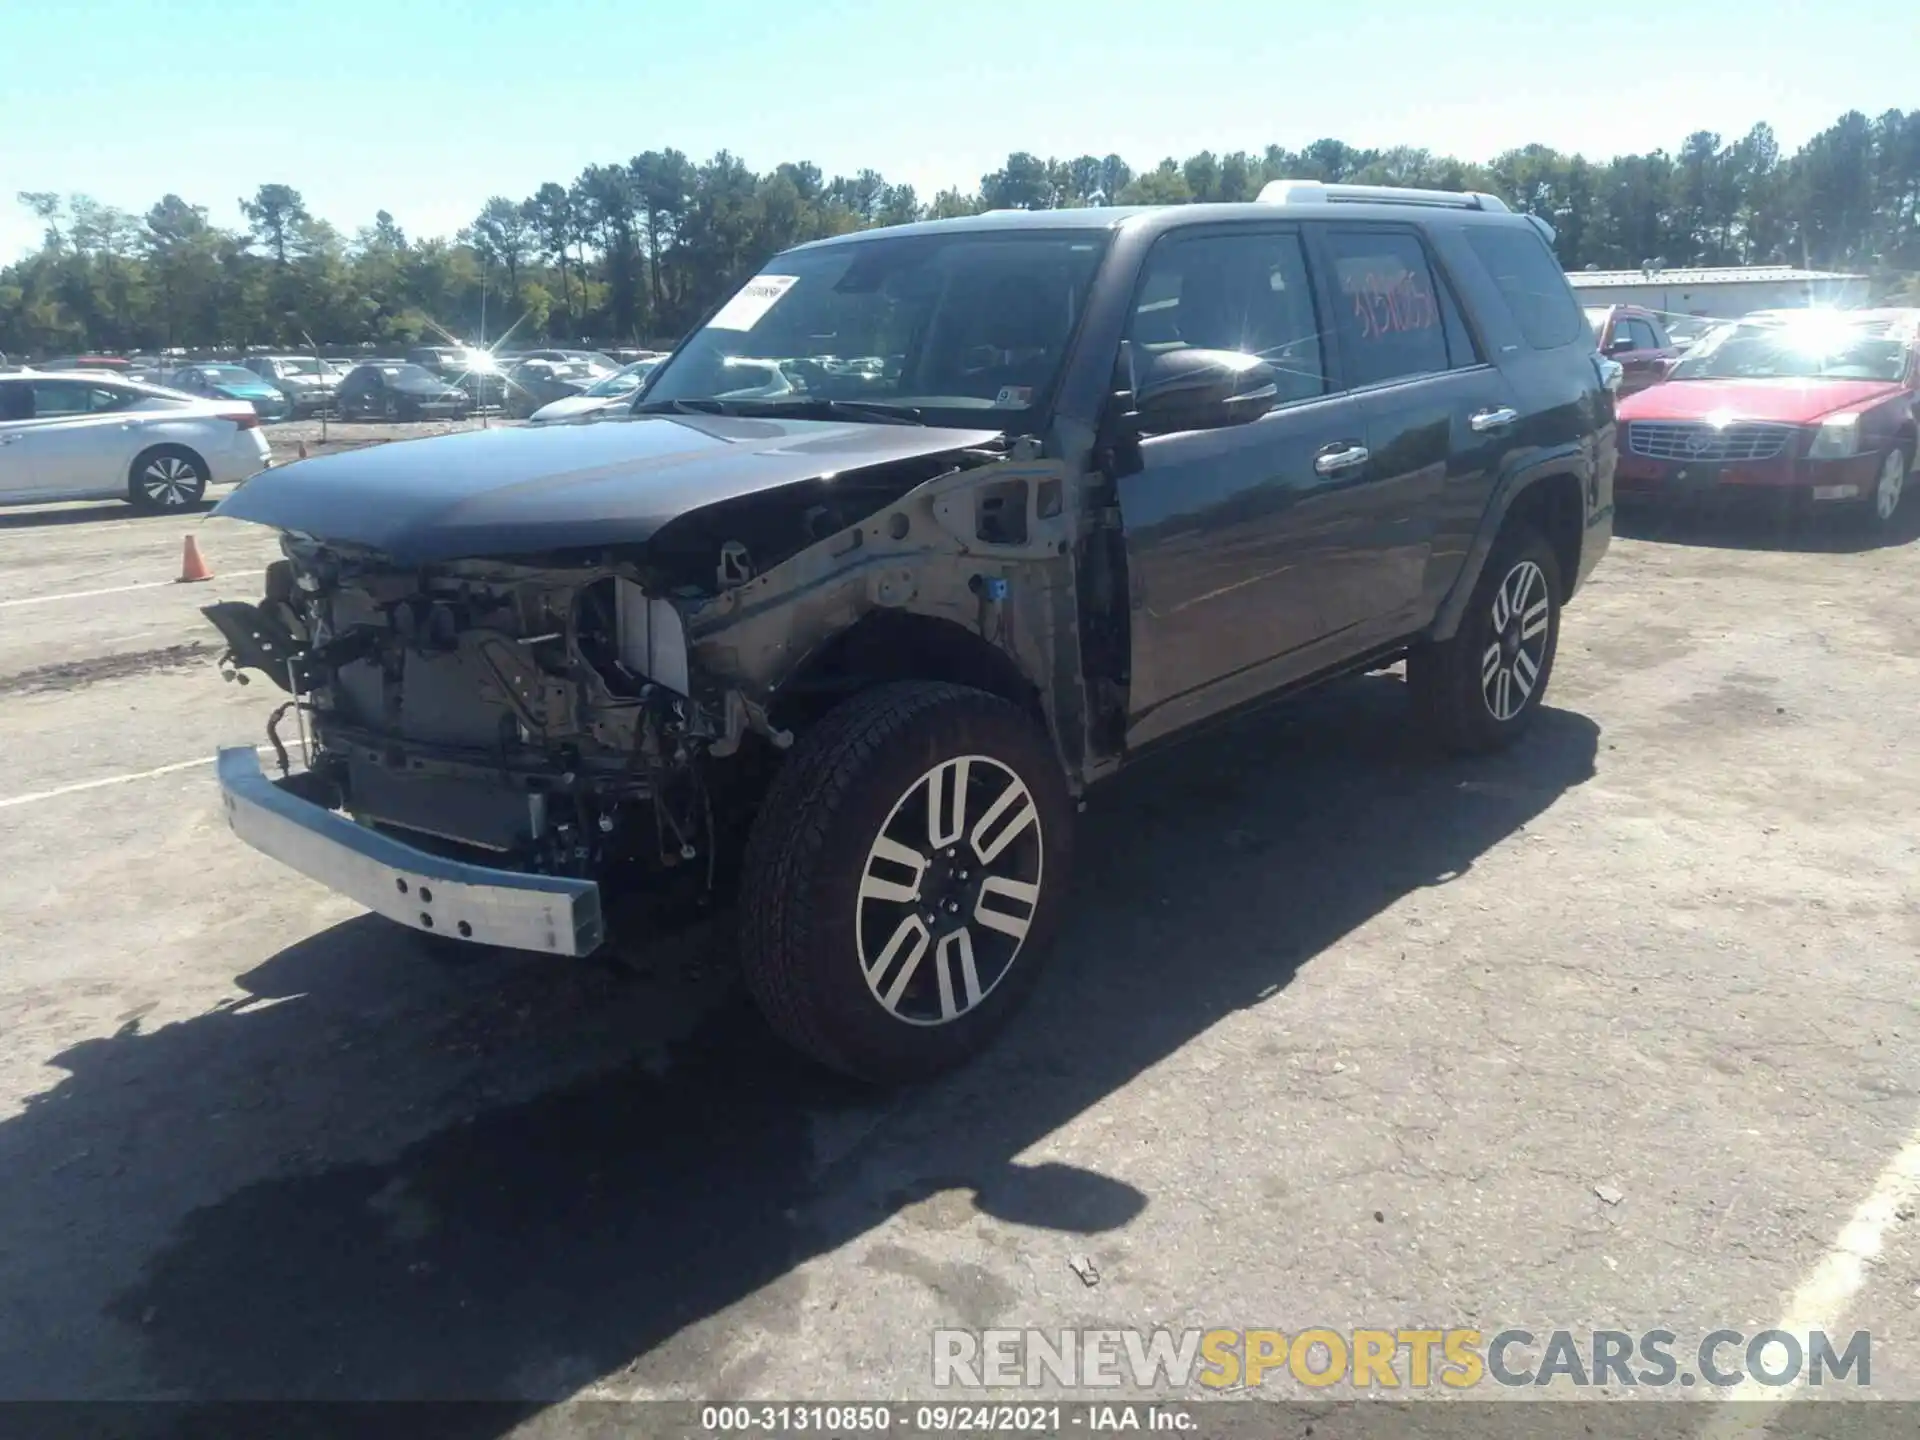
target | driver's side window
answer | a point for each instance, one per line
(1246, 292)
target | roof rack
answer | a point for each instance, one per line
(1319, 192)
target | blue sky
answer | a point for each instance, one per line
(426, 107)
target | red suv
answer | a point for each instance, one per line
(1635, 338)
(1819, 404)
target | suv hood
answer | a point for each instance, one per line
(492, 493)
(1792, 402)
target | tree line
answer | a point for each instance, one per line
(636, 250)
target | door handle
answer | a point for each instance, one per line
(1344, 457)
(8, 439)
(1486, 420)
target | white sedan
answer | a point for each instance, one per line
(73, 436)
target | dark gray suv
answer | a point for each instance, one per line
(917, 537)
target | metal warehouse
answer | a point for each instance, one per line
(1720, 292)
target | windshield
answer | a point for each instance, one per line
(1810, 350)
(302, 367)
(623, 382)
(562, 370)
(410, 372)
(229, 375)
(965, 328)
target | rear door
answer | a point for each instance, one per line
(1222, 525)
(1438, 418)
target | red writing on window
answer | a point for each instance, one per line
(1391, 305)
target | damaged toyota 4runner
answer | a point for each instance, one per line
(921, 534)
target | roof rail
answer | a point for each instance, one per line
(1319, 192)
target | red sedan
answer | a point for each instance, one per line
(1818, 404)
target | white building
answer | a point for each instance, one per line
(1722, 292)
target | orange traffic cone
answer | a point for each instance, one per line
(193, 565)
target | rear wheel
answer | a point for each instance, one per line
(167, 477)
(904, 879)
(1480, 690)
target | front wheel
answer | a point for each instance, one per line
(167, 477)
(904, 879)
(1480, 690)
(1889, 487)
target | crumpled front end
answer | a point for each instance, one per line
(614, 717)
(518, 717)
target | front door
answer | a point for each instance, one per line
(16, 453)
(1223, 526)
(82, 443)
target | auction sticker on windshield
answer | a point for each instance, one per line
(1019, 396)
(746, 309)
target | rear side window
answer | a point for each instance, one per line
(1387, 306)
(53, 398)
(1532, 283)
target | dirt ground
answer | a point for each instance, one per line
(331, 437)
(1616, 1031)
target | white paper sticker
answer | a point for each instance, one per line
(756, 297)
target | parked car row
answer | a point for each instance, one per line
(299, 386)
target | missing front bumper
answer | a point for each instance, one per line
(412, 887)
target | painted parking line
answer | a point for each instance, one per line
(55, 794)
(1822, 1299)
(117, 589)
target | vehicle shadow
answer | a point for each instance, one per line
(1762, 527)
(545, 1234)
(100, 512)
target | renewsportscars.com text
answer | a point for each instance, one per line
(1395, 1359)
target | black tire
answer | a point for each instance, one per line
(166, 478)
(1457, 685)
(807, 919)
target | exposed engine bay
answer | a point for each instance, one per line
(539, 714)
(619, 712)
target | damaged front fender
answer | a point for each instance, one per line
(985, 551)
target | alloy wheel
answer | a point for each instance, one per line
(168, 480)
(1893, 479)
(950, 889)
(1510, 665)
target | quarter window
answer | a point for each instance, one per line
(1245, 291)
(1531, 281)
(1388, 309)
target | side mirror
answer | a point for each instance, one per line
(1203, 390)
(1621, 344)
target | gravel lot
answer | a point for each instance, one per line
(1613, 1032)
(330, 437)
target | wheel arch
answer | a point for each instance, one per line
(1552, 497)
(160, 447)
(887, 645)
